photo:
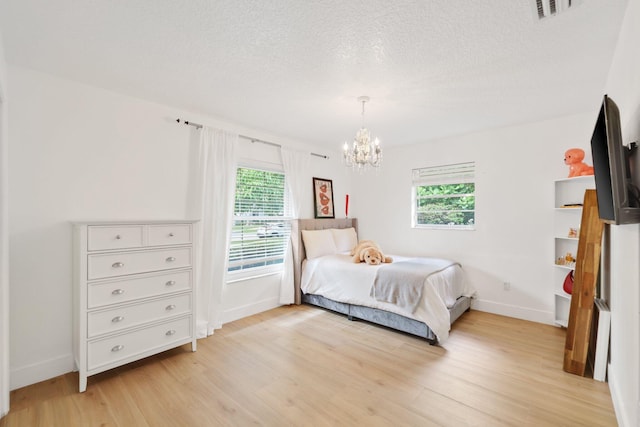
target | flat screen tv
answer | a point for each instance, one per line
(618, 197)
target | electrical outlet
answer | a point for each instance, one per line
(507, 286)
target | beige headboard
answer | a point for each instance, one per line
(298, 247)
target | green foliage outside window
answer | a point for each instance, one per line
(445, 205)
(260, 229)
(259, 193)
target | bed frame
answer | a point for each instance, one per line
(373, 315)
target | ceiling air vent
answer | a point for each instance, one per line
(547, 8)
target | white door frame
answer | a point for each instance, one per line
(4, 255)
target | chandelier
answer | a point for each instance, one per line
(363, 152)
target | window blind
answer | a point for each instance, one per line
(444, 196)
(445, 174)
(261, 227)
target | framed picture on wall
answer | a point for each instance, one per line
(323, 198)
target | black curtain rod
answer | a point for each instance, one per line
(186, 122)
(199, 126)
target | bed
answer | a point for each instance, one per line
(327, 278)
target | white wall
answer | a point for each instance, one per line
(82, 153)
(513, 240)
(623, 85)
(4, 239)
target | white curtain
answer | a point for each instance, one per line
(296, 170)
(4, 255)
(217, 163)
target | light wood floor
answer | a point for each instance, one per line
(309, 367)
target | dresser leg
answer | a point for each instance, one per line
(83, 383)
(193, 345)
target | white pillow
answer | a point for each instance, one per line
(344, 238)
(318, 243)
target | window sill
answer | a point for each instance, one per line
(443, 227)
(250, 275)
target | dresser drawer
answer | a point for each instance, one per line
(114, 349)
(169, 234)
(114, 292)
(124, 263)
(119, 318)
(114, 237)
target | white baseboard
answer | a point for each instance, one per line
(41, 371)
(518, 312)
(622, 414)
(538, 316)
(250, 309)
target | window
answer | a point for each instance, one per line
(260, 228)
(444, 197)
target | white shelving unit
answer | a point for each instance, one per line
(569, 195)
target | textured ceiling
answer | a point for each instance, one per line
(296, 67)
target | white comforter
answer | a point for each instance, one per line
(336, 277)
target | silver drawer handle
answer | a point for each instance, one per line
(170, 259)
(117, 265)
(170, 234)
(170, 283)
(117, 348)
(118, 237)
(117, 292)
(117, 319)
(170, 307)
(170, 332)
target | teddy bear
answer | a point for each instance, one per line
(369, 252)
(574, 158)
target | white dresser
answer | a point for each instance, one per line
(134, 292)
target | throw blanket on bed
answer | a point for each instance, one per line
(402, 283)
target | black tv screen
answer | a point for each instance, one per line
(617, 195)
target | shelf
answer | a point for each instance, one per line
(573, 209)
(586, 178)
(571, 191)
(563, 304)
(567, 191)
(564, 247)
